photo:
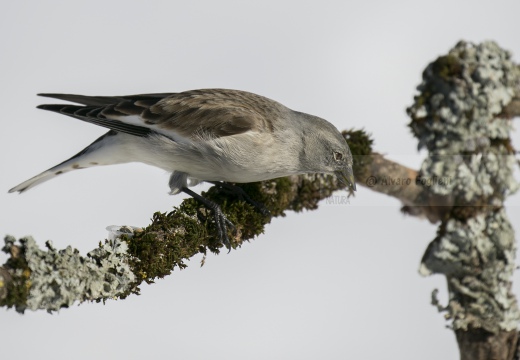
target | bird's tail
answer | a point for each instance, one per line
(32, 182)
(92, 155)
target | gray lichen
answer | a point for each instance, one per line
(458, 117)
(461, 94)
(58, 278)
(478, 257)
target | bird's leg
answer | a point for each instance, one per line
(221, 221)
(242, 195)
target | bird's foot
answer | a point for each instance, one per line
(221, 221)
(242, 195)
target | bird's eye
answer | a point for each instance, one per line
(338, 156)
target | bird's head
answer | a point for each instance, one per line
(338, 160)
(326, 151)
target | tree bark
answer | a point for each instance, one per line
(478, 344)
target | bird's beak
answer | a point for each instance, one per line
(346, 177)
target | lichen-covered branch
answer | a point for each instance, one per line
(462, 116)
(52, 279)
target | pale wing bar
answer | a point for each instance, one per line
(94, 115)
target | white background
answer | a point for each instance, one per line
(337, 283)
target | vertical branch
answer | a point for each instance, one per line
(459, 118)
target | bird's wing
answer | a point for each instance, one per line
(208, 112)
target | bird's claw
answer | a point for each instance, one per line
(222, 223)
(262, 209)
(242, 195)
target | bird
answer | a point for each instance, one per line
(221, 136)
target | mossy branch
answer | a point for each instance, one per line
(52, 279)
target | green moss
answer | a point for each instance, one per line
(158, 249)
(17, 291)
(360, 144)
(447, 67)
(19, 285)
(273, 194)
(422, 99)
(505, 146)
(444, 70)
(313, 189)
(173, 237)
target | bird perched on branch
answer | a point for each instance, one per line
(213, 135)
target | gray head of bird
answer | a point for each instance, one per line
(327, 151)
